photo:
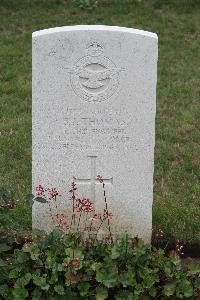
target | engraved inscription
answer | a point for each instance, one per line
(95, 77)
(106, 129)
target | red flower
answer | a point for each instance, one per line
(39, 191)
(84, 205)
(109, 216)
(76, 259)
(77, 266)
(73, 263)
(65, 265)
(52, 193)
(73, 188)
(97, 216)
(100, 178)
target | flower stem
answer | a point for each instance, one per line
(105, 200)
(51, 212)
(79, 220)
(98, 229)
(73, 207)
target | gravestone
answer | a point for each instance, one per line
(94, 104)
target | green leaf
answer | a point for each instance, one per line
(49, 261)
(115, 252)
(19, 293)
(132, 296)
(137, 292)
(41, 282)
(71, 295)
(123, 295)
(187, 288)
(27, 277)
(83, 288)
(96, 266)
(54, 278)
(34, 251)
(101, 293)
(59, 289)
(149, 281)
(78, 253)
(143, 272)
(36, 295)
(194, 269)
(23, 281)
(127, 278)
(30, 199)
(21, 257)
(41, 200)
(169, 289)
(4, 247)
(14, 273)
(2, 263)
(109, 277)
(58, 267)
(153, 292)
(168, 270)
(4, 291)
(197, 285)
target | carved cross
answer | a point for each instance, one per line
(93, 179)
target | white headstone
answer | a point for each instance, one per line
(94, 104)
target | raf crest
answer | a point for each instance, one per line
(95, 77)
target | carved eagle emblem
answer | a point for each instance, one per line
(96, 79)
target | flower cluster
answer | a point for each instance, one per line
(52, 192)
(97, 216)
(100, 178)
(73, 221)
(11, 203)
(84, 205)
(179, 248)
(158, 231)
(27, 245)
(109, 215)
(106, 215)
(39, 191)
(74, 262)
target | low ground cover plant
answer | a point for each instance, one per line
(69, 265)
(62, 266)
(176, 181)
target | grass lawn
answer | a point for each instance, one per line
(177, 153)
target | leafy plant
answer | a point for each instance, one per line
(63, 266)
(69, 265)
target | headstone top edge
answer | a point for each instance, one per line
(94, 27)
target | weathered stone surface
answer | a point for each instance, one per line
(94, 103)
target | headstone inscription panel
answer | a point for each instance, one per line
(94, 104)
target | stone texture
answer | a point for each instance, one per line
(94, 104)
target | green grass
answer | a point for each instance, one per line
(177, 153)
